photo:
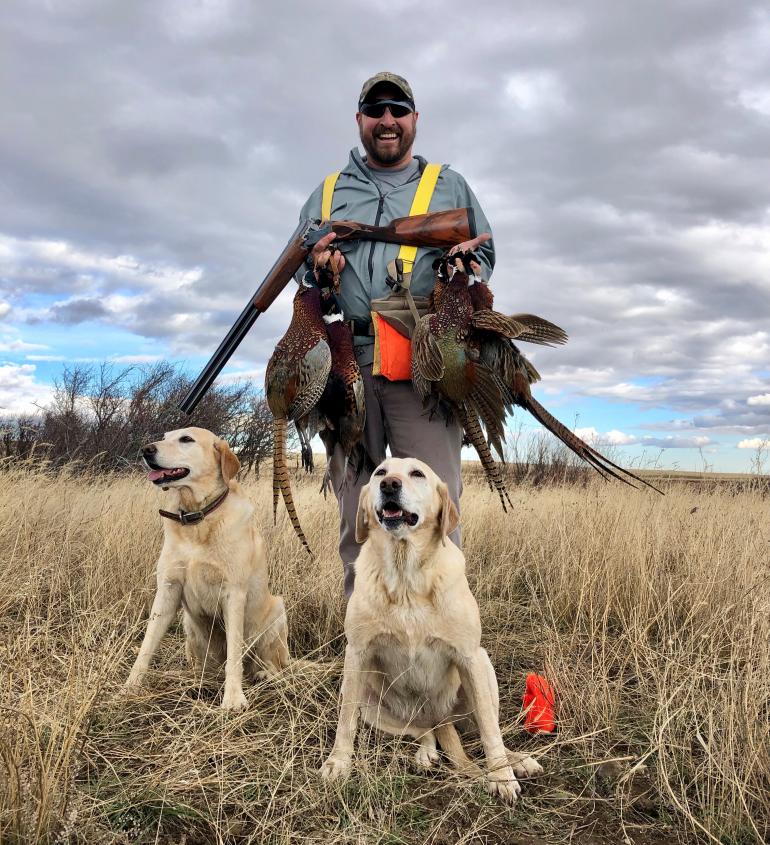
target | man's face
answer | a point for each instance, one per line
(387, 140)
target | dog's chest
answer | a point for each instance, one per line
(413, 676)
(205, 585)
(425, 659)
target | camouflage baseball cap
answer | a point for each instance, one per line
(393, 79)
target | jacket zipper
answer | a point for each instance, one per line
(380, 207)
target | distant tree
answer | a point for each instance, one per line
(19, 436)
(102, 415)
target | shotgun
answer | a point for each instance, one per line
(440, 229)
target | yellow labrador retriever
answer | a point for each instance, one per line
(414, 664)
(213, 565)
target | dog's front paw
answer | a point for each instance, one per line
(426, 758)
(131, 687)
(336, 767)
(502, 783)
(234, 700)
(523, 765)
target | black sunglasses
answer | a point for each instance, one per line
(398, 108)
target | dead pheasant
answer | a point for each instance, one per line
(464, 354)
(294, 382)
(341, 407)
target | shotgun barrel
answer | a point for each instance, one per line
(438, 229)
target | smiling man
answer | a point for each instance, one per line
(389, 182)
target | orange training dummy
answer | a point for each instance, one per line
(539, 704)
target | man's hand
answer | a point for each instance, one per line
(469, 246)
(465, 246)
(321, 253)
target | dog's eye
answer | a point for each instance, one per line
(416, 473)
(380, 472)
(185, 438)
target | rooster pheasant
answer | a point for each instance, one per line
(295, 379)
(341, 407)
(464, 354)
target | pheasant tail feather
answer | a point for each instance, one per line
(603, 465)
(281, 480)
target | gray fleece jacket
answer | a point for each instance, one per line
(358, 197)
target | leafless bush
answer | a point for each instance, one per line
(101, 416)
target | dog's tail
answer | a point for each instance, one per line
(281, 480)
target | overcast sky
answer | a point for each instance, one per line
(154, 157)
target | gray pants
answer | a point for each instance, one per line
(395, 418)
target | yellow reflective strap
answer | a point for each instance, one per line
(326, 199)
(420, 205)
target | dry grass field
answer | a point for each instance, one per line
(650, 615)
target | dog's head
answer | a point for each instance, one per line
(189, 456)
(405, 498)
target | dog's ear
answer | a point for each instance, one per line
(228, 461)
(362, 515)
(449, 516)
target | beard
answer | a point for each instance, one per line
(377, 153)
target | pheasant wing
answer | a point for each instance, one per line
(427, 360)
(538, 330)
(527, 327)
(313, 372)
(494, 321)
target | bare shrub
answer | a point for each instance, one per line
(101, 415)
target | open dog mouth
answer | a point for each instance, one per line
(162, 475)
(391, 515)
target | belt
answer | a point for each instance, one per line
(361, 328)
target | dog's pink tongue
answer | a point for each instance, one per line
(155, 474)
(390, 513)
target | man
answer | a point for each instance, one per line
(376, 189)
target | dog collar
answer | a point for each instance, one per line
(194, 517)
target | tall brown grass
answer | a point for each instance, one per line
(650, 615)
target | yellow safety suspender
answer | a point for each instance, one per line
(420, 203)
(326, 199)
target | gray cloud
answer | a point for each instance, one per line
(622, 154)
(77, 311)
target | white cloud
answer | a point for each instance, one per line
(19, 392)
(255, 375)
(619, 438)
(19, 345)
(763, 399)
(615, 437)
(52, 257)
(756, 98)
(135, 359)
(537, 99)
(754, 443)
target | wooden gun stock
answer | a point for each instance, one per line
(437, 229)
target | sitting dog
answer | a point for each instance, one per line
(413, 663)
(213, 565)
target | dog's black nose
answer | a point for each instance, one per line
(147, 451)
(390, 484)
